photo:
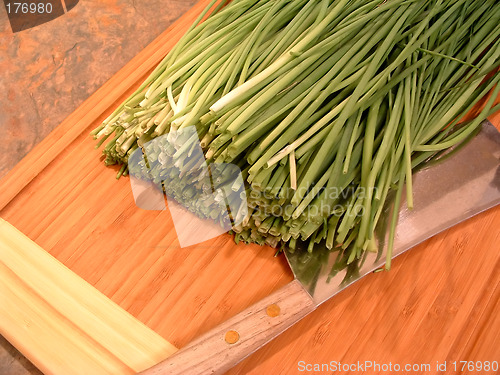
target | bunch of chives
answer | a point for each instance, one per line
(325, 105)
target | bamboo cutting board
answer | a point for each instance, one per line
(440, 302)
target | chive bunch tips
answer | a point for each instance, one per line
(326, 106)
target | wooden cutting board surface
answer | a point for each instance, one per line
(440, 302)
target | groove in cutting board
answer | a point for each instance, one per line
(63, 324)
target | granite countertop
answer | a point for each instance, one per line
(49, 70)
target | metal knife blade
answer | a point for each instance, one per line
(446, 192)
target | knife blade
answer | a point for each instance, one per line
(452, 188)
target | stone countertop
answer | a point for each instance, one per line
(47, 71)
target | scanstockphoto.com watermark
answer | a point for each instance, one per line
(334, 193)
(334, 367)
(335, 203)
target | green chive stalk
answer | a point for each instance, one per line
(325, 106)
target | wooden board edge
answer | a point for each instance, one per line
(63, 324)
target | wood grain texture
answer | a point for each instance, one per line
(63, 324)
(439, 302)
(221, 348)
